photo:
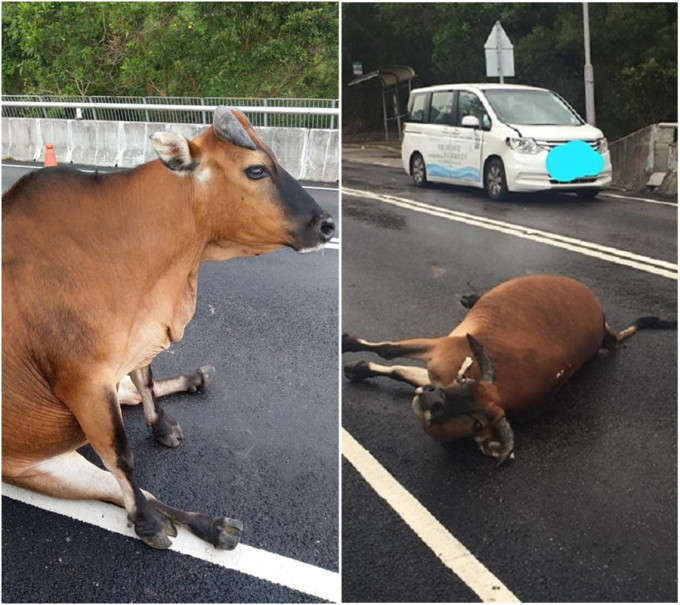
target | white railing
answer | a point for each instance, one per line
(304, 113)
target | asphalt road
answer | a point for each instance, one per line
(587, 511)
(261, 445)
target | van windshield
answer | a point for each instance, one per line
(531, 108)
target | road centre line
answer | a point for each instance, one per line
(264, 565)
(614, 255)
(447, 548)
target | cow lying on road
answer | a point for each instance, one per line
(516, 346)
(99, 275)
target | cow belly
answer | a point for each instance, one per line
(527, 385)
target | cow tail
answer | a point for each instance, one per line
(613, 340)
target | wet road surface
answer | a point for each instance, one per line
(587, 511)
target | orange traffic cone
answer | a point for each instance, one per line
(50, 156)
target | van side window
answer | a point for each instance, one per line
(441, 108)
(416, 110)
(470, 105)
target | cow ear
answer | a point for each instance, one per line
(175, 152)
(228, 128)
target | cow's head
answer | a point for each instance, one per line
(246, 201)
(468, 408)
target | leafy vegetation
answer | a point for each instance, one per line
(633, 52)
(235, 49)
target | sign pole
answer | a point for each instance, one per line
(498, 50)
(588, 70)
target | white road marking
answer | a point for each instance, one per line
(607, 253)
(261, 564)
(392, 164)
(631, 198)
(447, 548)
(336, 189)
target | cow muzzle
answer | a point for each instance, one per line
(318, 233)
(428, 403)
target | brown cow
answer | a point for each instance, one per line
(100, 275)
(527, 336)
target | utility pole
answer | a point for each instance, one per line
(588, 70)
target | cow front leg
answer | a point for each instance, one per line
(416, 377)
(222, 532)
(71, 476)
(98, 413)
(165, 428)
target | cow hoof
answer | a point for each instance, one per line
(154, 530)
(159, 542)
(168, 431)
(207, 373)
(357, 371)
(226, 533)
(201, 379)
(349, 343)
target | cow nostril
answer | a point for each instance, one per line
(327, 227)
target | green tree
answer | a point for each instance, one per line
(633, 48)
(171, 48)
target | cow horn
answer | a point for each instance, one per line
(483, 360)
(228, 128)
(460, 377)
(507, 439)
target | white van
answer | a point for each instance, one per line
(499, 137)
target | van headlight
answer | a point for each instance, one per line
(523, 145)
(601, 145)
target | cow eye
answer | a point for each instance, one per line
(256, 172)
(478, 425)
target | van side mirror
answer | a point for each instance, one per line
(470, 121)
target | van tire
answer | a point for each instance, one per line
(418, 170)
(587, 194)
(495, 184)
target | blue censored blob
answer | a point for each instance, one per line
(573, 160)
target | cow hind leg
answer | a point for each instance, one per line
(191, 382)
(416, 377)
(613, 339)
(165, 428)
(420, 349)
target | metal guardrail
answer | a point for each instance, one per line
(300, 113)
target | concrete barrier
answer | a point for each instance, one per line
(309, 154)
(647, 159)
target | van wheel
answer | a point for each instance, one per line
(418, 170)
(495, 184)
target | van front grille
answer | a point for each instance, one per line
(552, 144)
